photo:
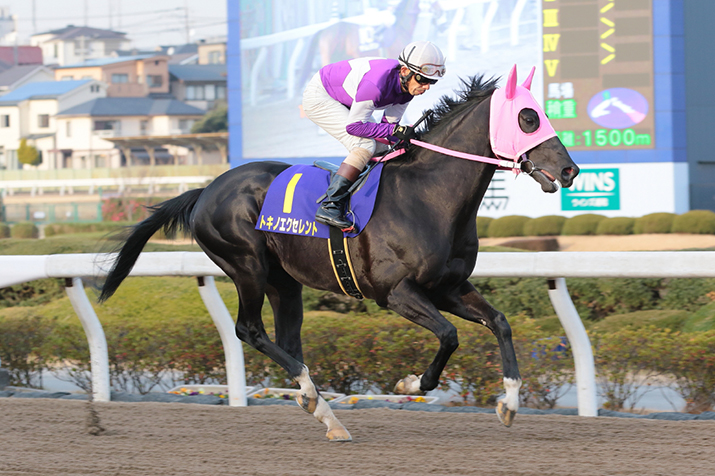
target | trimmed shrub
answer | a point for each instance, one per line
(512, 225)
(4, 230)
(548, 225)
(616, 226)
(654, 223)
(24, 230)
(582, 224)
(74, 228)
(483, 225)
(700, 222)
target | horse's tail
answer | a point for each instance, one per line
(172, 215)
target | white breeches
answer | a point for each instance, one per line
(332, 116)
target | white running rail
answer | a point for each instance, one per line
(555, 266)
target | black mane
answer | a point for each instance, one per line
(475, 90)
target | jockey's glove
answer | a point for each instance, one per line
(404, 133)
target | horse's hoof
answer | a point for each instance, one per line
(409, 385)
(505, 415)
(306, 403)
(339, 434)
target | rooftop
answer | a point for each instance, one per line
(132, 107)
(106, 61)
(198, 72)
(16, 73)
(42, 90)
(70, 32)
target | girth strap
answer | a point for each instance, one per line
(340, 259)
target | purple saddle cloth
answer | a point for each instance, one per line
(290, 203)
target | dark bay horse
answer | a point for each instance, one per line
(413, 257)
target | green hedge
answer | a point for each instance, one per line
(350, 355)
(616, 226)
(582, 224)
(4, 230)
(74, 228)
(548, 225)
(483, 225)
(695, 221)
(25, 230)
(654, 223)
(512, 225)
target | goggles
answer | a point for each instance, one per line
(432, 69)
(422, 80)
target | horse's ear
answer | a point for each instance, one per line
(527, 83)
(511, 84)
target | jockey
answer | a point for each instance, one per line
(341, 99)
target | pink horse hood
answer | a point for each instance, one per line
(507, 139)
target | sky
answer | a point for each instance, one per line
(147, 23)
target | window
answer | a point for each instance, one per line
(115, 126)
(215, 57)
(56, 51)
(195, 93)
(143, 127)
(87, 77)
(94, 88)
(154, 81)
(120, 78)
(67, 78)
(220, 92)
(185, 125)
(68, 129)
(210, 92)
(5, 120)
(43, 120)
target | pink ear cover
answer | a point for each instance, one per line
(507, 139)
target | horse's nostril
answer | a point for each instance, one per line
(569, 173)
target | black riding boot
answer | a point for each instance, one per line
(332, 210)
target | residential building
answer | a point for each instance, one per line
(29, 113)
(212, 53)
(83, 130)
(18, 76)
(127, 76)
(20, 55)
(201, 86)
(75, 44)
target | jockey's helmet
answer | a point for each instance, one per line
(423, 58)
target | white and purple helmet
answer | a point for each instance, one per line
(423, 58)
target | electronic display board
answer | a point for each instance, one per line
(598, 73)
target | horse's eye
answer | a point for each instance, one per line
(528, 120)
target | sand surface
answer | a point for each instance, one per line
(47, 437)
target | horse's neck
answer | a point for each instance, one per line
(462, 182)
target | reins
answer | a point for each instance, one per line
(502, 164)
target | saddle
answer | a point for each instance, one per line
(292, 200)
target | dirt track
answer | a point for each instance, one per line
(48, 437)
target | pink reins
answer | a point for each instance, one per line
(500, 163)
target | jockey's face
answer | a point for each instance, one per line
(413, 87)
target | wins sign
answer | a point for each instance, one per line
(593, 189)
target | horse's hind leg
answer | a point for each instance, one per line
(253, 279)
(467, 303)
(286, 297)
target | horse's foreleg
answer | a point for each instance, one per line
(408, 300)
(467, 303)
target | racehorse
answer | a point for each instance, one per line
(414, 255)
